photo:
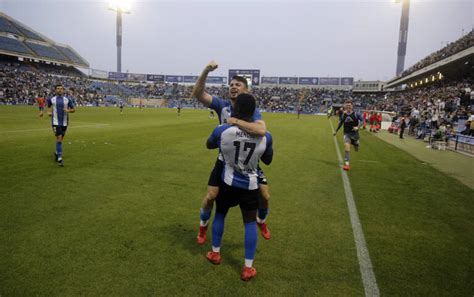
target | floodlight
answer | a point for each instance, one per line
(123, 6)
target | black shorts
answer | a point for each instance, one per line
(59, 130)
(216, 174)
(231, 196)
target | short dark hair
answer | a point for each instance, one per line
(58, 85)
(241, 79)
(244, 107)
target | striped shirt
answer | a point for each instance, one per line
(223, 109)
(58, 104)
(241, 153)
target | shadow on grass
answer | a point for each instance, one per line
(183, 236)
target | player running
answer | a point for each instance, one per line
(352, 122)
(59, 107)
(242, 152)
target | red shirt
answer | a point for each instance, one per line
(40, 101)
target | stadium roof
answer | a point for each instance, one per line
(16, 39)
(455, 66)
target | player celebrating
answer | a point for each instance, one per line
(242, 152)
(59, 108)
(223, 108)
(351, 121)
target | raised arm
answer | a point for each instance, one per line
(255, 128)
(198, 91)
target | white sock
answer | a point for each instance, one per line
(260, 221)
(216, 249)
(248, 262)
(204, 223)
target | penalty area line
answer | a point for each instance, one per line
(365, 264)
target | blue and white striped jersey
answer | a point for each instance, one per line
(223, 109)
(59, 103)
(241, 152)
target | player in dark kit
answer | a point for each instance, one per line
(352, 122)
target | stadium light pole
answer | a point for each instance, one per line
(121, 7)
(403, 36)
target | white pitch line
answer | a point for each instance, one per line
(366, 270)
(47, 129)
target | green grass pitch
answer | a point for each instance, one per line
(121, 218)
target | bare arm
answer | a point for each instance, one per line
(198, 90)
(255, 128)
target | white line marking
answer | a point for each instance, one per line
(368, 276)
(47, 129)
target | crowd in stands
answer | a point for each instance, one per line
(435, 110)
(425, 108)
(450, 49)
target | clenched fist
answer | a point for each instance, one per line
(211, 66)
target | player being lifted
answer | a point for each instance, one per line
(238, 85)
(352, 122)
(242, 152)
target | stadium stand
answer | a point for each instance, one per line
(18, 40)
(463, 43)
(14, 46)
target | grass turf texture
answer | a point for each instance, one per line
(121, 217)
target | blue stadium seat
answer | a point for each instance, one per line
(71, 55)
(28, 33)
(6, 26)
(46, 51)
(13, 45)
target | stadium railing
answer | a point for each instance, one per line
(461, 143)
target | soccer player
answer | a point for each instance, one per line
(59, 107)
(365, 117)
(223, 108)
(179, 110)
(329, 112)
(121, 107)
(352, 122)
(242, 152)
(41, 103)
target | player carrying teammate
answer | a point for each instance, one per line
(352, 122)
(242, 152)
(224, 109)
